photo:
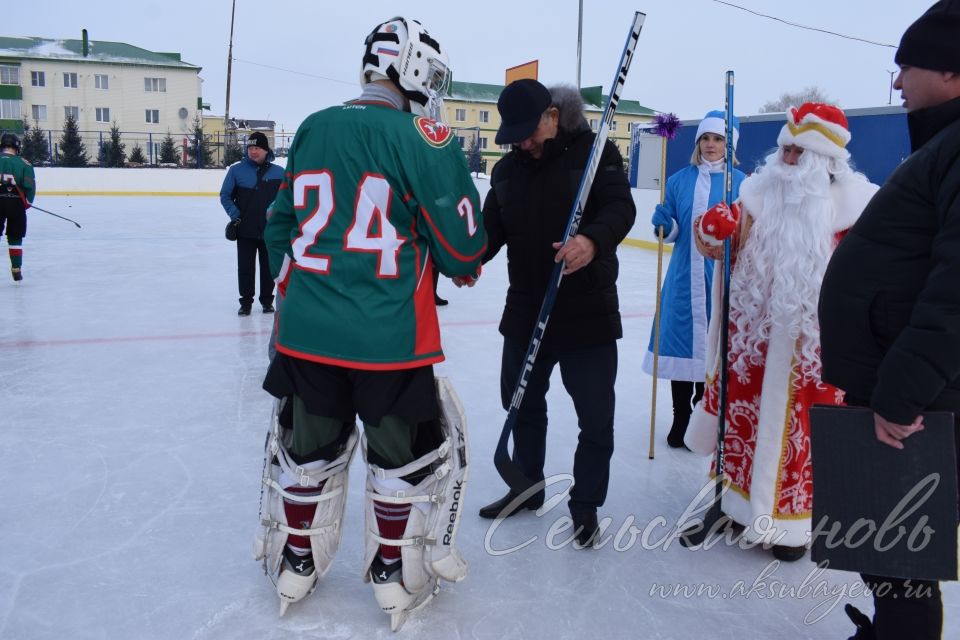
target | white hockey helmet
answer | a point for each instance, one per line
(401, 50)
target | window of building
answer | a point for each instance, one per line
(9, 74)
(613, 125)
(483, 142)
(462, 141)
(461, 115)
(155, 84)
(506, 147)
(71, 112)
(593, 124)
(103, 114)
(70, 80)
(484, 116)
(153, 116)
(39, 112)
(9, 109)
(101, 81)
(38, 78)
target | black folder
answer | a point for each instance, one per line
(879, 510)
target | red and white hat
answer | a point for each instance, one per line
(818, 127)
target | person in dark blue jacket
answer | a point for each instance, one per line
(247, 191)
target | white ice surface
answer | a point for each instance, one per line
(131, 430)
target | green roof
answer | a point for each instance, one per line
(593, 99)
(474, 91)
(99, 51)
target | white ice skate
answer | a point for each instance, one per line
(393, 597)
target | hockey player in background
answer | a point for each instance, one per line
(376, 196)
(17, 189)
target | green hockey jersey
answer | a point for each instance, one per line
(16, 178)
(373, 200)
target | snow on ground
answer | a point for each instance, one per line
(131, 448)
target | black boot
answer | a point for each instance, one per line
(681, 391)
(864, 625)
(784, 553)
(585, 528)
(499, 508)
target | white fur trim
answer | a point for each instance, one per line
(850, 195)
(717, 126)
(805, 134)
(673, 367)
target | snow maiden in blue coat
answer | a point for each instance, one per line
(685, 299)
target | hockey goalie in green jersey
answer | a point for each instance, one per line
(376, 196)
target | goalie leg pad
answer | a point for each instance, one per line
(301, 507)
(427, 546)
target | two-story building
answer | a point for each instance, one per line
(147, 93)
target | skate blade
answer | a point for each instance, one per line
(283, 607)
(398, 619)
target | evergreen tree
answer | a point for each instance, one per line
(30, 150)
(136, 154)
(73, 153)
(474, 160)
(112, 152)
(168, 151)
(232, 151)
(198, 149)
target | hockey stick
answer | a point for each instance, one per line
(28, 205)
(656, 341)
(510, 472)
(697, 533)
(55, 215)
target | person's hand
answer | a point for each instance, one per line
(577, 253)
(891, 434)
(661, 218)
(467, 281)
(719, 222)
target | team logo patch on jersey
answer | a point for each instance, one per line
(436, 133)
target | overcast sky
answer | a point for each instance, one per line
(293, 57)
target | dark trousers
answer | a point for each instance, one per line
(903, 608)
(248, 251)
(589, 376)
(686, 395)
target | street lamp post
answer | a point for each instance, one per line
(890, 98)
(226, 110)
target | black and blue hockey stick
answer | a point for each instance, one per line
(510, 472)
(697, 533)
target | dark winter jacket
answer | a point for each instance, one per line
(527, 209)
(890, 301)
(247, 191)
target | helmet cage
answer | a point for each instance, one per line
(404, 52)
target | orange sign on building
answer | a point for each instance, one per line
(525, 70)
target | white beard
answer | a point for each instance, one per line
(780, 269)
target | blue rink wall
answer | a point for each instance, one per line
(879, 141)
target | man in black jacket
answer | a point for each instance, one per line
(890, 300)
(531, 194)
